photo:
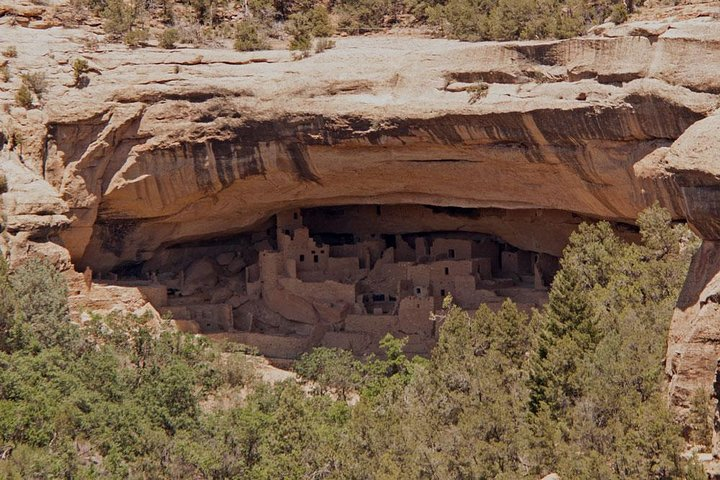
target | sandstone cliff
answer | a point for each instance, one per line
(163, 147)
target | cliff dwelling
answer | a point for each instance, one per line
(186, 159)
(342, 276)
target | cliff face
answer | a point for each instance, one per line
(222, 177)
(160, 148)
(157, 156)
(694, 341)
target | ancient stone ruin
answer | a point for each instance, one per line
(338, 277)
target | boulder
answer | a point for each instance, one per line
(225, 258)
(236, 265)
(200, 276)
(237, 300)
(235, 284)
(221, 295)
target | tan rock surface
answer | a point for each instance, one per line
(33, 213)
(168, 146)
(104, 298)
(145, 155)
(692, 163)
(694, 339)
(691, 166)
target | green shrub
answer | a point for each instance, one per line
(263, 11)
(419, 9)
(3, 183)
(322, 44)
(619, 13)
(15, 139)
(168, 38)
(23, 96)
(301, 43)
(249, 36)
(205, 10)
(97, 6)
(357, 16)
(35, 81)
(10, 51)
(477, 91)
(136, 37)
(285, 8)
(300, 29)
(700, 419)
(235, 347)
(330, 368)
(235, 370)
(4, 73)
(461, 19)
(80, 68)
(170, 397)
(119, 18)
(41, 316)
(695, 470)
(319, 19)
(167, 12)
(475, 20)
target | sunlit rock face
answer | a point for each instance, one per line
(204, 152)
(165, 181)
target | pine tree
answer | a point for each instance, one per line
(567, 331)
(7, 300)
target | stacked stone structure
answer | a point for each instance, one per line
(287, 288)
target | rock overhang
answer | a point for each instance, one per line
(231, 175)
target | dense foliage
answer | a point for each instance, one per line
(575, 388)
(519, 19)
(461, 19)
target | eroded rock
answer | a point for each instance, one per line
(200, 276)
(180, 150)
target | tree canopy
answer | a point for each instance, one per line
(574, 388)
